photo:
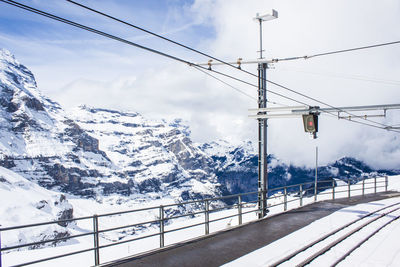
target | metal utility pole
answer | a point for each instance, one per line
(262, 124)
(316, 174)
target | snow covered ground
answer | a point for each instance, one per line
(383, 249)
(261, 257)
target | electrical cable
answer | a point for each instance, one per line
(336, 52)
(345, 76)
(363, 123)
(57, 18)
(252, 74)
(218, 79)
(237, 89)
(69, 22)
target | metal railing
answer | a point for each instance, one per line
(202, 207)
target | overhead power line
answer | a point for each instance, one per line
(231, 65)
(346, 76)
(226, 63)
(218, 79)
(69, 22)
(336, 52)
(234, 88)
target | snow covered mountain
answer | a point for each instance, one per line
(92, 152)
(237, 169)
(56, 164)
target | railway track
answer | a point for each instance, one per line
(348, 238)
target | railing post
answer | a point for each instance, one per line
(0, 250)
(363, 186)
(240, 209)
(348, 185)
(301, 195)
(315, 190)
(285, 199)
(96, 240)
(375, 185)
(161, 210)
(333, 189)
(207, 217)
(386, 189)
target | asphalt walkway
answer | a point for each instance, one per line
(225, 246)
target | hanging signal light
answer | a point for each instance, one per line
(310, 122)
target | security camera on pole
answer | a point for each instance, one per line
(262, 123)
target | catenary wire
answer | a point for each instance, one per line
(226, 63)
(336, 52)
(237, 89)
(51, 16)
(218, 79)
(345, 76)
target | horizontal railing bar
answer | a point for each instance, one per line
(126, 211)
(127, 241)
(292, 200)
(224, 208)
(44, 223)
(170, 205)
(249, 211)
(44, 241)
(223, 218)
(324, 187)
(184, 227)
(55, 257)
(249, 202)
(183, 215)
(127, 226)
(325, 193)
(210, 199)
(275, 205)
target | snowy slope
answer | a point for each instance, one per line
(24, 202)
(94, 152)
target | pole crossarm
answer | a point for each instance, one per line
(239, 62)
(296, 111)
(354, 108)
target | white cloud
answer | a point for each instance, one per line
(107, 74)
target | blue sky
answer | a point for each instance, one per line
(71, 65)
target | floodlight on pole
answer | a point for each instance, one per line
(266, 17)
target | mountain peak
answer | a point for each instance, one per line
(6, 55)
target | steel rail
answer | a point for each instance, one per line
(339, 240)
(364, 240)
(304, 248)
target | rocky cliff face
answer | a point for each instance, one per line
(93, 152)
(236, 169)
